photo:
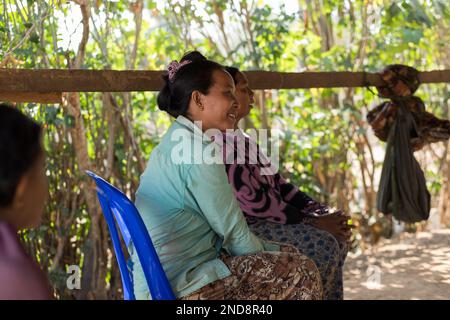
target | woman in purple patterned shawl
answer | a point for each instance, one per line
(277, 210)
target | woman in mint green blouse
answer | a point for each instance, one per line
(189, 208)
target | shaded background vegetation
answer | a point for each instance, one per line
(327, 148)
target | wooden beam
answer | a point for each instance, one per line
(436, 76)
(304, 80)
(36, 97)
(58, 80)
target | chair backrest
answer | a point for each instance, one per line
(118, 208)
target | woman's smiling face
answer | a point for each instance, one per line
(244, 95)
(219, 106)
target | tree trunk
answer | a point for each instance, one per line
(93, 285)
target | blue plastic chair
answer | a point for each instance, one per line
(118, 208)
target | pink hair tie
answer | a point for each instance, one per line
(174, 66)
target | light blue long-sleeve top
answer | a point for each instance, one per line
(191, 214)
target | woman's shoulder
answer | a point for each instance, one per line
(10, 246)
(20, 276)
(176, 137)
(22, 279)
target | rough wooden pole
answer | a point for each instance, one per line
(37, 97)
(58, 80)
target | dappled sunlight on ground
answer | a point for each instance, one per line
(410, 266)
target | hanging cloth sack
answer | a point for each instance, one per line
(403, 191)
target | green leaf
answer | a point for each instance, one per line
(394, 10)
(412, 35)
(69, 121)
(34, 38)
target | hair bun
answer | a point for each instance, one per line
(163, 99)
(193, 56)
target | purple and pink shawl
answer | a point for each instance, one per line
(262, 196)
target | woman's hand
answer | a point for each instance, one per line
(335, 223)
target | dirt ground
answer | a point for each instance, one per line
(407, 267)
